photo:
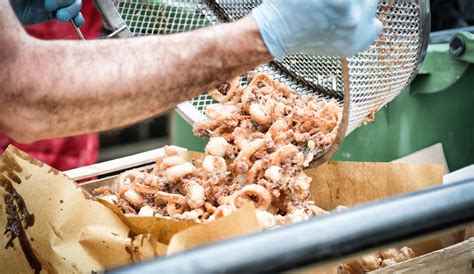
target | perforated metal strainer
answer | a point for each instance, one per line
(361, 84)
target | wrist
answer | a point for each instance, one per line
(268, 31)
(251, 37)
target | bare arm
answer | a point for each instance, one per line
(53, 89)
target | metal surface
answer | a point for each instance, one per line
(361, 84)
(77, 30)
(380, 73)
(436, 108)
(329, 238)
(444, 36)
(467, 55)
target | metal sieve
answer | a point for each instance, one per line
(361, 84)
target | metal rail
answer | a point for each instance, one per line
(444, 36)
(329, 238)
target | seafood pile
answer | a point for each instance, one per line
(261, 136)
(378, 260)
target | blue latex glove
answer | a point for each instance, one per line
(321, 27)
(37, 11)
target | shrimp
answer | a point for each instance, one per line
(102, 191)
(240, 179)
(171, 198)
(125, 207)
(279, 132)
(395, 255)
(302, 137)
(146, 184)
(158, 170)
(250, 150)
(218, 146)
(279, 111)
(146, 211)
(192, 215)
(124, 181)
(273, 174)
(214, 164)
(177, 172)
(260, 114)
(266, 219)
(283, 153)
(241, 137)
(222, 113)
(209, 207)
(261, 80)
(224, 132)
(222, 211)
(130, 176)
(286, 91)
(170, 151)
(225, 92)
(237, 97)
(204, 128)
(254, 171)
(248, 97)
(226, 200)
(176, 204)
(133, 198)
(194, 194)
(175, 209)
(253, 193)
(172, 161)
(297, 215)
(300, 186)
(314, 210)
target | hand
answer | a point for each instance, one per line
(37, 11)
(321, 27)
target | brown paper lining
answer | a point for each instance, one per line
(241, 222)
(96, 237)
(161, 229)
(71, 233)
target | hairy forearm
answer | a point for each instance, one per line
(66, 88)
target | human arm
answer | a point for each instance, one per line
(53, 89)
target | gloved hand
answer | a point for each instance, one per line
(322, 27)
(37, 11)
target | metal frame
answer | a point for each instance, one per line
(330, 238)
(445, 36)
(112, 19)
(425, 33)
